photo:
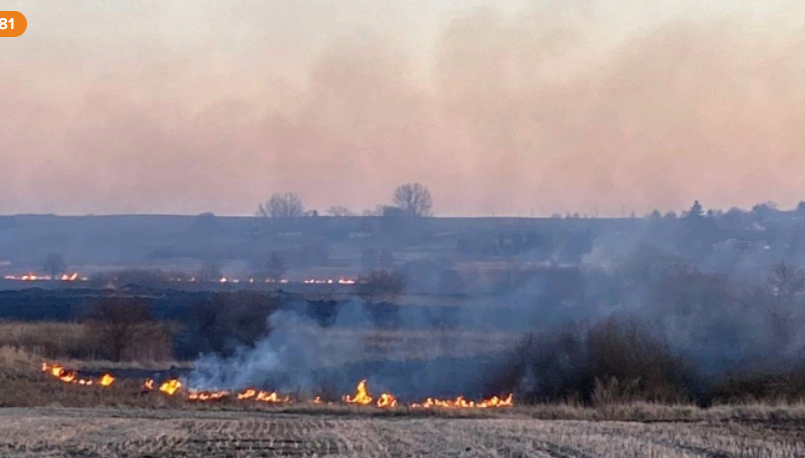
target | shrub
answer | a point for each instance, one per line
(123, 329)
(225, 321)
(381, 285)
(610, 361)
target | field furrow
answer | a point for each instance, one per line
(161, 434)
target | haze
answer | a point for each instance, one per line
(505, 107)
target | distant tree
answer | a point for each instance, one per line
(205, 223)
(340, 211)
(786, 281)
(275, 267)
(764, 211)
(54, 265)
(695, 211)
(119, 324)
(282, 205)
(413, 199)
(801, 208)
(381, 285)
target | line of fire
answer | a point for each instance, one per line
(75, 277)
(361, 397)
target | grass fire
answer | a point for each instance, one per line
(58, 372)
(173, 387)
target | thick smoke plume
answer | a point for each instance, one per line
(509, 107)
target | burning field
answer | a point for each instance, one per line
(175, 388)
(110, 414)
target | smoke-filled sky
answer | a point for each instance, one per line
(500, 107)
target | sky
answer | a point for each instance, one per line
(505, 107)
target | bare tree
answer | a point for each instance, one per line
(413, 199)
(123, 326)
(786, 281)
(275, 267)
(282, 205)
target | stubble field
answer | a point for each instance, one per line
(60, 432)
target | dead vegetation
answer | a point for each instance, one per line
(24, 385)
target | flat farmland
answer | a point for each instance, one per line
(93, 432)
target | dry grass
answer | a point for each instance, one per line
(41, 419)
(72, 344)
(24, 385)
(55, 432)
(46, 339)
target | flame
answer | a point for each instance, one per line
(170, 387)
(263, 396)
(361, 397)
(386, 400)
(461, 403)
(31, 276)
(67, 376)
(207, 395)
(495, 401)
(272, 397)
(248, 394)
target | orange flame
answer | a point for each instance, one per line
(461, 403)
(248, 394)
(207, 395)
(361, 397)
(64, 375)
(386, 400)
(170, 387)
(263, 396)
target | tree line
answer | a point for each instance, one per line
(410, 199)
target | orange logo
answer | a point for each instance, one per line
(12, 23)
